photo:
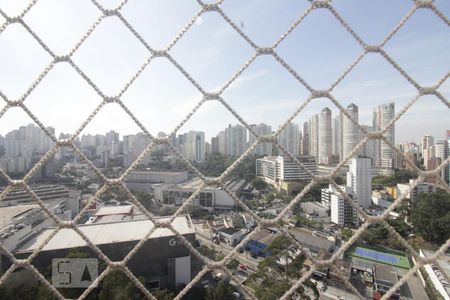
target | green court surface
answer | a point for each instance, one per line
(381, 255)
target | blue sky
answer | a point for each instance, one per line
(319, 49)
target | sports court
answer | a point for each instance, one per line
(388, 257)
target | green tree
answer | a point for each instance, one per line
(430, 216)
(346, 233)
(145, 199)
(222, 291)
(259, 184)
(399, 176)
(117, 286)
(233, 264)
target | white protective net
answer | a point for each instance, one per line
(217, 96)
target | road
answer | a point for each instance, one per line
(244, 258)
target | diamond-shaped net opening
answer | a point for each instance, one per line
(109, 74)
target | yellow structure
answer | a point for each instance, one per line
(391, 190)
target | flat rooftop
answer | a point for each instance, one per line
(106, 233)
(191, 184)
(263, 236)
(8, 213)
(229, 230)
(307, 239)
(114, 210)
(386, 274)
(196, 182)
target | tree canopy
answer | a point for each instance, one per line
(399, 176)
(430, 216)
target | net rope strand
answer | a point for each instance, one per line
(108, 183)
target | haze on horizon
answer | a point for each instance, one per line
(211, 51)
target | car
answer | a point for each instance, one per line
(217, 276)
(205, 284)
(236, 295)
(241, 250)
(243, 267)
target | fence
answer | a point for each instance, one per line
(217, 96)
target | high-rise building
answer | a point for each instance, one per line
(194, 147)
(447, 154)
(261, 130)
(325, 139)
(337, 136)
(305, 139)
(215, 145)
(235, 140)
(112, 137)
(22, 145)
(368, 149)
(133, 146)
(289, 138)
(384, 154)
(342, 212)
(314, 136)
(427, 142)
(350, 131)
(427, 150)
(359, 178)
(222, 142)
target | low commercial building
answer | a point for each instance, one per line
(231, 235)
(243, 220)
(384, 278)
(170, 267)
(145, 179)
(381, 198)
(424, 187)
(313, 242)
(18, 195)
(21, 222)
(115, 213)
(314, 209)
(259, 243)
(210, 198)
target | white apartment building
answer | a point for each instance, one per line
(368, 149)
(427, 141)
(289, 138)
(235, 140)
(314, 136)
(305, 139)
(342, 213)
(337, 136)
(350, 131)
(384, 154)
(325, 137)
(194, 147)
(261, 130)
(447, 168)
(359, 178)
(278, 168)
(133, 146)
(267, 168)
